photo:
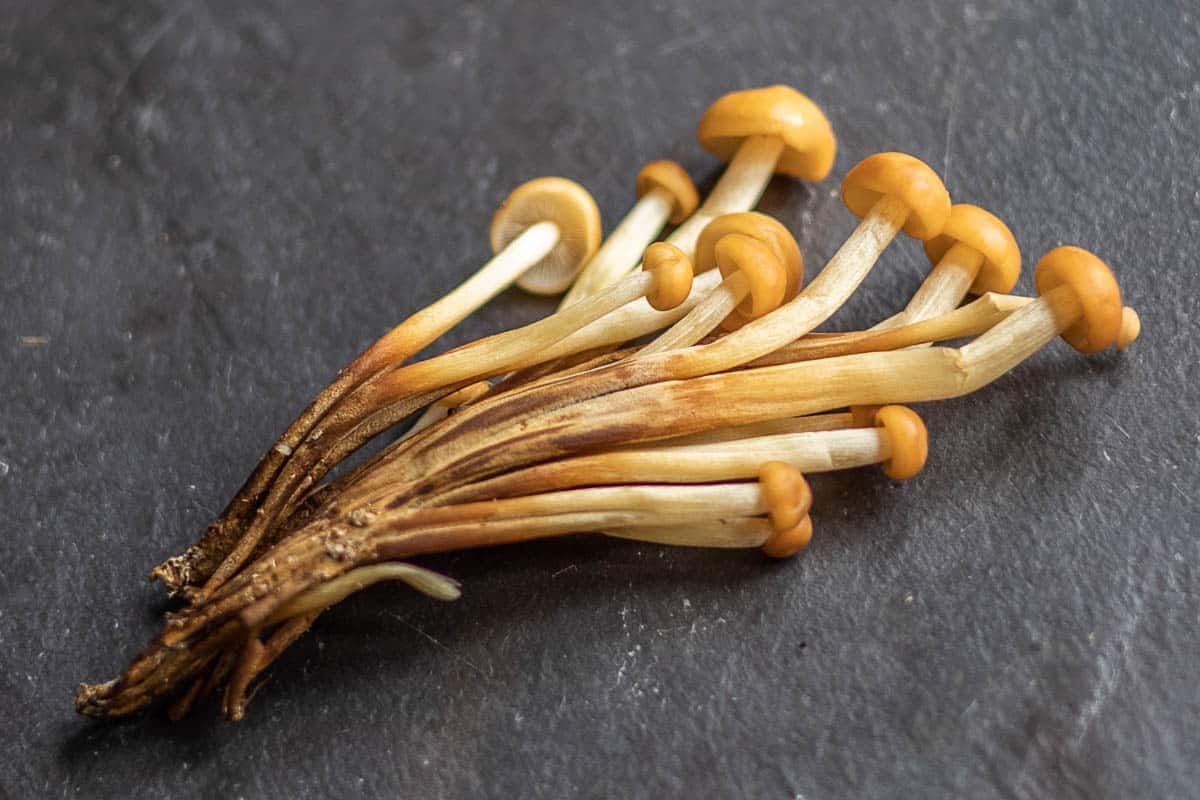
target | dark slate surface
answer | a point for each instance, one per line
(207, 207)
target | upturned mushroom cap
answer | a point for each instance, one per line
(908, 438)
(788, 498)
(672, 178)
(809, 143)
(984, 232)
(569, 206)
(1095, 287)
(672, 275)
(767, 230)
(902, 176)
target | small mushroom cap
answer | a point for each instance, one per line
(672, 178)
(767, 230)
(785, 544)
(766, 275)
(672, 275)
(1131, 328)
(569, 206)
(905, 177)
(787, 494)
(1096, 288)
(983, 232)
(909, 440)
(809, 143)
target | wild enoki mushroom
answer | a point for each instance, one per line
(1079, 299)
(701, 437)
(891, 191)
(541, 235)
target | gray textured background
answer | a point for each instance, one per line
(207, 207)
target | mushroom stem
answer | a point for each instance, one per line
(973, 319)
(943, 288)
(738, 189)
(827, 292)
(622, 250)
(704, 316)
(740, 532)
(423, 580)
(397, 345)
(440, 409)
(741, 184)
(815, 451)
(366, 410)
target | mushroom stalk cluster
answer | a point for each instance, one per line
(682, 403)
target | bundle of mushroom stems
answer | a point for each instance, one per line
(678, 396)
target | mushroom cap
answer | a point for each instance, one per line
(909, 441)
(785, 544)
(766, 274)
(569, 206)
(983, 232)
(905, 177)
(787, 494)
(1131, 328)
(672, 275)
(788, 499)
(1096, 288)
(809, 143)
(672, 178)
(767, 230)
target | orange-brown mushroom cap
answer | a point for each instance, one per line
(809, 143)
(672, 275)
(765, 274)
(788, 499)
(908, 439)
(767, 230)
(983, 232)
(907, 178)
(673, 179)
(569, 206)
(1096, 288)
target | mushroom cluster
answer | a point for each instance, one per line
(678, 396)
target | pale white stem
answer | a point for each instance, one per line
(727, 533)
(622, 250)
(702, 319)
(633, 320)
(943, 288)
(425, 581)
(516, 348)
(771, 427)
(528, 249)
(819, 451)
(827, 292)
(738, 189)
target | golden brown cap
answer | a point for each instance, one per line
(672, 178)
(983, 232)
(672, 275)
(1096, 288)
(569, 206)
(809, 143)
(767, 230)
(905, 177)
